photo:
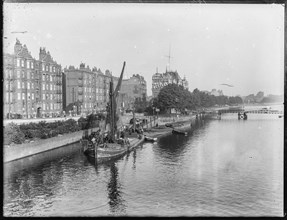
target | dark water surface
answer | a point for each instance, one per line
(224, 168)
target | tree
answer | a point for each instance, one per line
(173, 96)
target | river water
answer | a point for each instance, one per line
(225, 167)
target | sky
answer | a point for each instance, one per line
(209, 44)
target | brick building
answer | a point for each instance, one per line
(159, 80)
(79, 88)
(50, 84)
(31, 87)
(132, 88)
(87, 90)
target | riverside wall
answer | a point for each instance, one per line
(18, 151)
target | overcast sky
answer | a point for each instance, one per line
(241, 45)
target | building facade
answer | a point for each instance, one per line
(49, 81)
(132, 88)
(87, 90)
(79, 89)
(32, 88)
(159, 80)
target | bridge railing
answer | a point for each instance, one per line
(251, 111)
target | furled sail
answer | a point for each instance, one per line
(113, 103)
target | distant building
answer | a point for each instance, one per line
(79, 88)
(131, 89)
(87, 90)
(159, 80)
(32, 87)
(102, 88)
(216, 92)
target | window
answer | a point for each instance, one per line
(23, 74)
(19, 96)
(19, 85)
(28, 85)
(18, 73)
(51, 96)
(50, 68)
(47, 68)
(32, 65)
(43, 96)
(32, 85)
(32, 96)
(23, 85)
(28, 64)
(28, 95)
(51, 106)
(43, 77)
(23, 96)
(44, 106)
(51, 87)
(28, 75)
(47, 86)
(43, 67)
(51, 78)
(43, 86)
(22, 63)
(18, 62)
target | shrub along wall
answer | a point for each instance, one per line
(17, 134)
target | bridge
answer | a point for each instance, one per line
(260, 111)
(241, 112)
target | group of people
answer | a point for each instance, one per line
(103, 138)
(138, 129)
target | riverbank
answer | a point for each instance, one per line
(19, 151)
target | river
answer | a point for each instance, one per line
(225, 167)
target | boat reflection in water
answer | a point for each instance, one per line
(217, 170)
(115, 200)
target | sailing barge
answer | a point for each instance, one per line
(103, 149)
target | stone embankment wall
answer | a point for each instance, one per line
(14, 152)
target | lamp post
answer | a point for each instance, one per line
(74, 110)
(153, 115)
(9, 84)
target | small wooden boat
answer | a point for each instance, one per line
(176, 131)
(150, 139)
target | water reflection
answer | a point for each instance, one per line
(223, 168)
(173, 146)
(116, 201)
(30, 187)
(39, 160)
(134, 159)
